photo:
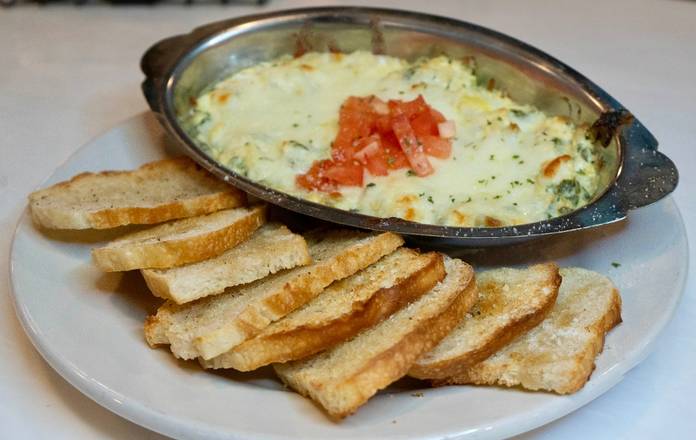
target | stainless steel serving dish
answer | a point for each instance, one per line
(634, 173)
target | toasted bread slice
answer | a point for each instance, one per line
(211, 326)
(344, 377)
(181, 241)
(510, 302)
(154, 193)
(558, 355)
(272, 248)
(344, 309)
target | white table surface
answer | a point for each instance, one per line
(69, 73)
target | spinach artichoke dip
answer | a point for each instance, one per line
(386, 137)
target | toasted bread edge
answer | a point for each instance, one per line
(256, 317)
(496, 341)
(171, 253)
(306, 340)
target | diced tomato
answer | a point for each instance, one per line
(355, 121)
(447, 129)
(383, 123)
(372, 155)
(346, 173)
(437, 116)
(377, 164)
(380, 136)
(409, 108)
(379, 107)
(411, 147)
(424, 125)
(354, 105)
(369, 145)
(315, 178)
(396, 159)
(436, 146)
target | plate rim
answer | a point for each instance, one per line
(133, 410)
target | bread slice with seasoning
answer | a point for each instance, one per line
(344, 377)
(212, 326)
(344, 309)
(270, 249)
(181, 241)
(511, 301)
(154, 193)
(559, 354)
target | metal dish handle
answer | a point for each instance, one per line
(161, 57)
(646, 174)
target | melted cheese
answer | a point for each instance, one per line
(511, 164)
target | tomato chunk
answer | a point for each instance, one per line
(369, 145)
(409, 108)
(396, 159)
(437, 116)
(424, 125)
(378, 137)
(346, 173)
(412, 148)
(436, 146)
(355, 121)
(315, 178)
(372, 155)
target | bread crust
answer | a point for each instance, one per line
(393, 363)
(293, 252)
(175, 252)
(495, 341)
(306, 340)
(259, 313)
(586, 360)
(154, 329)
(222, 196)
(570, 382)
(110, 218)
(253, 320)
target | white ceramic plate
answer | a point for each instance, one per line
(88, 326)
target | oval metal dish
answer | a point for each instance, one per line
(633, 174)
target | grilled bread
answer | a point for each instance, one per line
(344, 309)
(344, 377)
(212, 326)
(154, 193)
(181, 241)
(558, 355)
(510, 302)
(272, 248)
